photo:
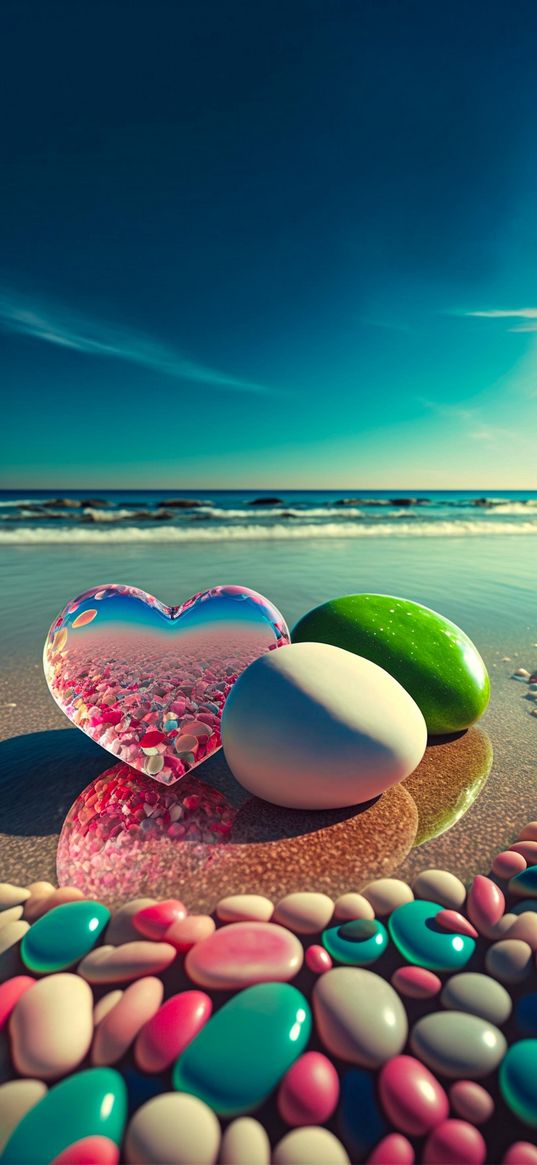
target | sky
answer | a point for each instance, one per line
(289, 243)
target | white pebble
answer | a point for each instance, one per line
(10, 937)
(311, 1145)
(440, 886)
(17, 1097)
(350, 906)
(173, 1127)
(245, 908)
(12, 914)
(304, 913)
(386, 894)
(12, 895)
(509, 960)
(120, 928)
(245, 1142)
(51, 1026)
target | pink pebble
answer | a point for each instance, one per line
(186, 932)
(245, 953)
(392, 1150)
(118, 1029)
(416, 982)
(317, 959)
(485, 904)
(507, 864)
(309, 1091)
(154, 921)
(167, 1034)
(453, 921)
(412, 1098)
(520, 1153)
(454, 1142)
(527, 850)
(529, 833)
(10, 993)
(471, 1101)
(93, 1150)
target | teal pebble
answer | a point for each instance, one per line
(423, 942)
(357, 943)
(518, 1080)
(91, 1103)
(63, 936)
(241, 1054)
(525, 882)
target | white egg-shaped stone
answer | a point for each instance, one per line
(51, 1027)
(311, 726)
(175, 1128)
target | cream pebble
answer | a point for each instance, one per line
(187, 932)
(39, 891)
(51, 1027)
(120, 964)
(12, 895)
(310, 1146)
(440, 886)
(121, 928)
(359, 1016)
(105, 1004)
(477, 994)
(471, 1101)
(386, 894)
(304, 913)
(57, 898)
(507, 864)
(11, 914)
(10, 937)
(120, 1026)
(509, 960)
(350, 906)
(17, 1097)
(524, 926)
(458, 1045)
(245, 908)
(245, 1142)
(173, 1127)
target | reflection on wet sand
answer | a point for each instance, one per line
(448, 780)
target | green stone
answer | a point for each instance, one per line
(63, 936)
(518, 1080)
(91, 1103)
(241, 1054)
(430, 657)
(423, 942)
(525, 882)
(357, 943)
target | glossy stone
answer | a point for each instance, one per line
(358, 1016)
(17, 1097)
(360, 1120)
(509, 960)
(518, 1080)
(349, 906)
(89, 1103)
(315, 1145)
(477, 994)
(386, 894)
(456, 923)
(306, 913)
(416, 982)
(449, 778)
(524, 927)
(527, 850)
(520, 1153)
(308, 684)
(457, 1045)
(10, 992)
(121, 928)
(411, 1096)
(166, 1035)
(525, 883)
(526, 1014)
(63, 936)
(440, 886)
(317, 959)
(148, 682)
(153, 921)
(309, 1091)
(394, 1149)
(245, 908)
(421, 941)
(119, 1028)
(245, 1142)
(177, 1129)
(223, 1066)
(185, 933)
(485, 904)
(51, 1027)
(129, 961)
(429, 656)
(89, 1151)
(454, 1142)
(358, 943)
(471, 1101)
(10, 938)
(12, 895)
(244, 953)
(507, 864)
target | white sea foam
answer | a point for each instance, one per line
(34, 536)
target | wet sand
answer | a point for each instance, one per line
(466, 813)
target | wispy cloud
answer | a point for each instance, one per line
(455, 412)
(58, 325)
(528, 316)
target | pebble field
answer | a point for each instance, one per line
(390, 1026)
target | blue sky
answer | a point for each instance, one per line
(275, 244)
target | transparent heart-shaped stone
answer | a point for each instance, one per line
(148, 682)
